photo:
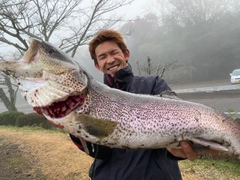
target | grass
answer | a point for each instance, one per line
(16, 160)
(211, 168)
(50, 152)
(33, 128)
(56, 157)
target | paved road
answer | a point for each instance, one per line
(219, 100)
(221, 97)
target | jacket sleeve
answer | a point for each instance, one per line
(160, 86)
(95, 151)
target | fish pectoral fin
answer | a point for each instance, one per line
(97, 127)
(200, 144)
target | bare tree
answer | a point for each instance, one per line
(149, 68)
(69, 23)
(8, 97)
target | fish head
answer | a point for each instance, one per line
(50, 81)
(48, 58)
(41, 56)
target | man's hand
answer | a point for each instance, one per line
(188, 152)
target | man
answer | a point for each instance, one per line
(110, 55)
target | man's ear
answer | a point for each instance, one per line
(127, 54)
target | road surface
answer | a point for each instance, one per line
(219, 96)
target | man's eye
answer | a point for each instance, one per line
(101, 57)
(114, 52)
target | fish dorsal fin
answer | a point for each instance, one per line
(168, 94)
(97, 127)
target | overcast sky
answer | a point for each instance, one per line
(137, 8)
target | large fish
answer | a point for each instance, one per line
(62, 91)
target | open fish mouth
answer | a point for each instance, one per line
(62, 108)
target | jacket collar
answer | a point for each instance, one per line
(121, 79)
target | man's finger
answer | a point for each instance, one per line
(189, 152)
(177, 152)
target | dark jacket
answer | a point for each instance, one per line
(121, 164)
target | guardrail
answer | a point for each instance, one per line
(234, 114)
(208, 89)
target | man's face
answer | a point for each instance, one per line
(110, 58)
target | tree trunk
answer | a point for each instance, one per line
(6, 102)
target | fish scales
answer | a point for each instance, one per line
(66, 95)
(149, 118)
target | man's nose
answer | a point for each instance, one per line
(110, 59)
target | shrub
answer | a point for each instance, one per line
(33, 119)
(9, 117)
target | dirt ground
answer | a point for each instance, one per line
(40, 155)
(47, 155)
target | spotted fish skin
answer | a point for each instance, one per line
(70, 98)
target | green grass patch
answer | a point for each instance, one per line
(32, 128)
(216, 166)
(16, 160)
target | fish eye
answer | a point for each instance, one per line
(50, 51)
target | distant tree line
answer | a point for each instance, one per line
(202, 36)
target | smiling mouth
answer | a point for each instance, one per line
(113, 67)
(62, 108)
